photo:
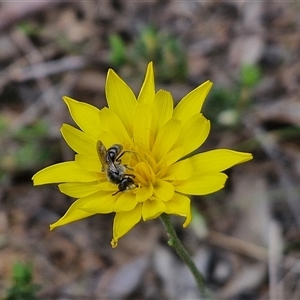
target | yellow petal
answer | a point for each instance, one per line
(166, 138)
(181, 170)
(107, 139)
(85, 115)
(89, 162)
(218, 160)
(191, 104)
(162, 110)
(142, 125)
(147, 92)
(144, 193)
(124, 221)
(114, 126)
(152, 209)
(174, 155)
(163, 190)
(102, 202)
(79, 189)
(107, 186)
(193, 133)
(63, 172)
(180, 205)
(120, 99)
(125, 202)
(78, 140)
(201, 184)
(73, 214)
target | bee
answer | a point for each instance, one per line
(112, 166)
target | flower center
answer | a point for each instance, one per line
(143, 166)
(144, 174)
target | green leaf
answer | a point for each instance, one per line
(117, 56)
(250, 75)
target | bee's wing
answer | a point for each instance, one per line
(101, 150)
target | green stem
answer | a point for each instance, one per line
(186, 258)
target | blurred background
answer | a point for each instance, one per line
(245, 238)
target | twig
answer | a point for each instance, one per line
(12, 14)
(271, 147)
(237, 245)
(275, 244)
(44, 69)
(49, 94)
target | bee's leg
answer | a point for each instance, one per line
(130, 175)
(117, 192)
(129, 168)
(118, 158)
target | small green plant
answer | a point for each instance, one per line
(29, 28)
(228, 106)
(23, 287)
(117, 55)
(21, 149)
(250, 75)
(165, 50)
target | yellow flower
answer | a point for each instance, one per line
(157, 173)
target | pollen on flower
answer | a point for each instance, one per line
(144, 174)
(141, 163)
